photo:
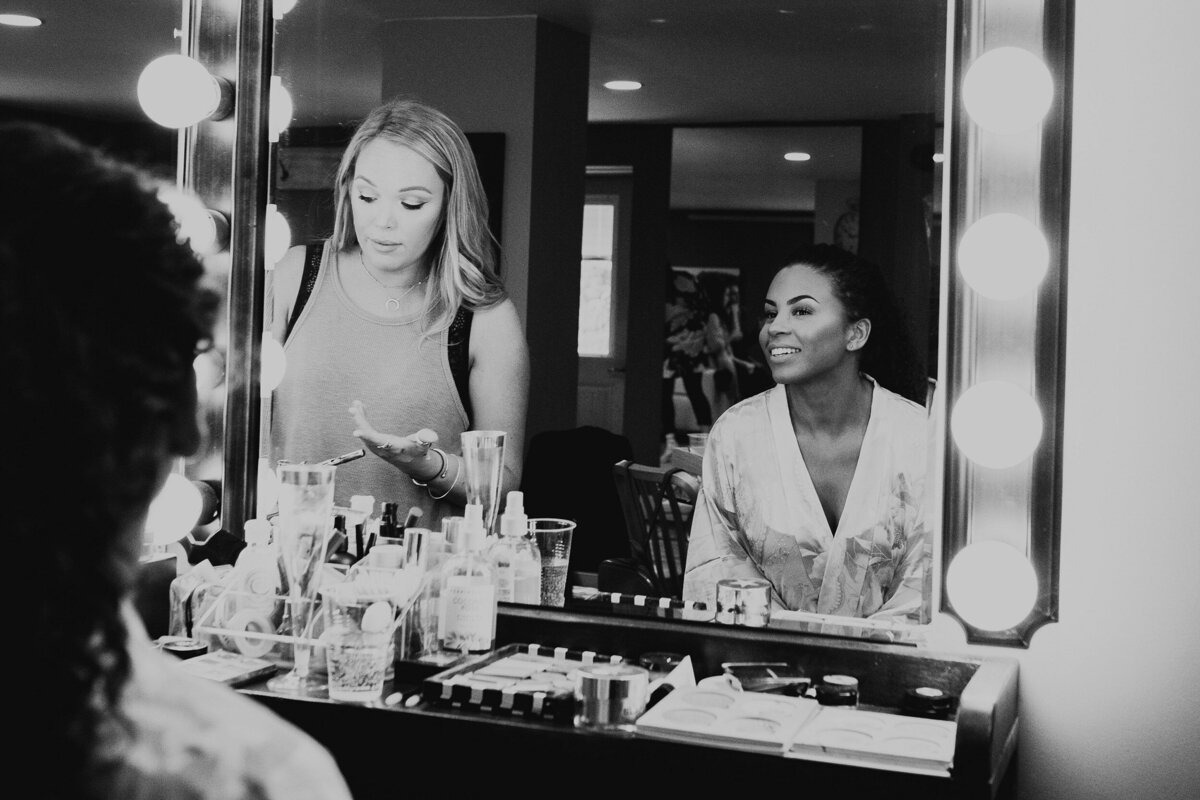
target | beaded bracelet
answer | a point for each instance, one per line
(441, 472)
(457, 474)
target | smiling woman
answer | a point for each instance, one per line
(818, 485)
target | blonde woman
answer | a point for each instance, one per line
(406, 325)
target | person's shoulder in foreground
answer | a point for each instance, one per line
(195, 738)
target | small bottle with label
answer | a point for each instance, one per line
(468, 596)
(515, 556)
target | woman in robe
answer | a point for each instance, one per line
(817, 484)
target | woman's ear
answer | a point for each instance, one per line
(857, 334)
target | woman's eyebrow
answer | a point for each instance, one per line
(417, 187)
(800, 297)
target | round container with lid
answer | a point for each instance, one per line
(838, 690)
(610, 696)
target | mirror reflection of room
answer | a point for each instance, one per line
(694, 183)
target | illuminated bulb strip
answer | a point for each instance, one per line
(277, 238)
(1007, 90)
(176, 91)
(1003, 256)
(280, 111)
(174, 512)
(996, 424)
(992, 585)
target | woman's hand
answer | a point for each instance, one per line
(409, 454)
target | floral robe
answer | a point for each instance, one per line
(758, 514)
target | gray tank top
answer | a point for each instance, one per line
(336, 353)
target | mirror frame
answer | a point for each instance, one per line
(1026, 174)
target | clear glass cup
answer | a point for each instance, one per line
(483, 461)
(553, 537)
(357, 637)
(304, 525)
(697, 442)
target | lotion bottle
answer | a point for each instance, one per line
(515, 557)
(468, 596)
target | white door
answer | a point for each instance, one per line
(604, 302)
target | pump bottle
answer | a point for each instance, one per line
(515, 557)
(468, 596)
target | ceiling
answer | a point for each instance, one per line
(700, 62)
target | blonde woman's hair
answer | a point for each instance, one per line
(463, 266)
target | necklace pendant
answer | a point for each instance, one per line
(392, 304)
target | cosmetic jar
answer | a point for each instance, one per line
(610, 696)
(182, 647)
(744, 601)
(928, 701)
(838, 690)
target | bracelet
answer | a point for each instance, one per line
(440, 474)
(457, 474)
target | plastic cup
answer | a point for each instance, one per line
(357, 636)
(697, 442)
(553, 537)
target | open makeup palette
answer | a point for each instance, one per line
(716, 714)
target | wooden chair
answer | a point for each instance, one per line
(658, 505)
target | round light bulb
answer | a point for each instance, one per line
(1003, 256)
(996, 424)
(268, 489)
(174, 512)
(280, 109)
(198, 225)
(176, 91)
(278, 236)
(209, 372)
(992, 585)
(281, 7)
(1007, 90)
(273, 363)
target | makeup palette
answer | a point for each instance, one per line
(715, 713)
(869, 738)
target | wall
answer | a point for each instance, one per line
(545, 128)
(1110, 705)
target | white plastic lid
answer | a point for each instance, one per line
(514, 522)
(257, 531)
(473, 532)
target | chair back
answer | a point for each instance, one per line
(658, 504)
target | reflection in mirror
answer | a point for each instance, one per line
(697, 153)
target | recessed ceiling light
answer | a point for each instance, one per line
(797, 156)
(19, 20)
(623, 86)
(658, 21)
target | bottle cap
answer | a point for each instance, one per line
(514, 522)
(473, 532)
(838, 690)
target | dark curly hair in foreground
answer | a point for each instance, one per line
(102, 312)
(889, 356)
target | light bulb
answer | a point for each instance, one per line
(623, 86)
(273, 363)
(1003, 256)
(176, 91)
(281, 7)
(268, 489)
(1007, 90)
(996, 424)
(278, 236)
(992, 585)
(207, 231)
(796, 156)
(209, 372)
(280, 109)
(175, 511)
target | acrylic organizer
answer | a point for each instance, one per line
(257, 626)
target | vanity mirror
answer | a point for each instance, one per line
(802, 68)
